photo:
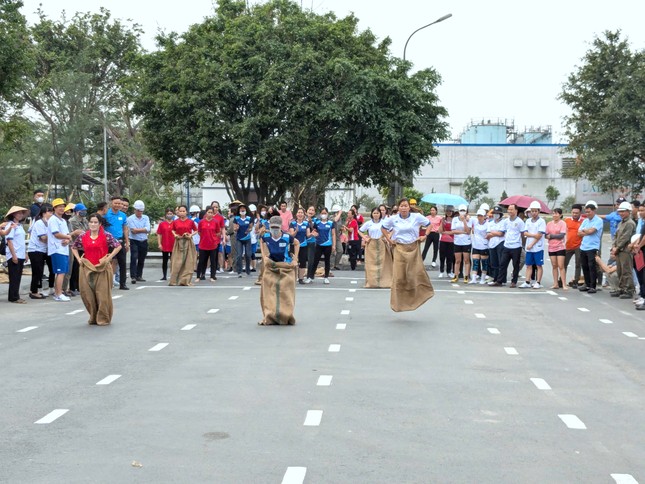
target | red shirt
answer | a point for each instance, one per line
(210, 232)
(167, 240)
(182, 227)
(353, 225)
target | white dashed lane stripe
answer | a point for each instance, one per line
(552, 293)
(324, 380)
(294, 475)
(584, 310)
(341, 326)
(606, 321)
(510, 350)
(572, 422)
(313, 418)
(562, 298)
(468, 301)
(247, 288)
(480, 316)
(349, 299)
(352, 290)
(117, 297)
(53, 415)
(624, 479)
(233, 298)
(493, 331)
(159, 347)
(72, 313)
(334, 348)
(108, 379)
(541, 384)
(27, 329)
(188, 327)
(629, 334)
(354, 282)
(345, 312)
(213, 311)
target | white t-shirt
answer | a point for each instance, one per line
(405, 230)
(535, 227)
(461, 239)
(513, 232)
(37, 230)
(56, 225)
(494, 226)
(480, 242)
(17, 237)
(373, 229)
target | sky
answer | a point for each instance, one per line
(498, 59)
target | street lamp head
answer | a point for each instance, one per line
(445, 17)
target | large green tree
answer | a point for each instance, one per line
(606, 128)
(274, 99)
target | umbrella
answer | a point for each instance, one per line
(522, 201)
(444, 199)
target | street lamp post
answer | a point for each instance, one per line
(396, 190)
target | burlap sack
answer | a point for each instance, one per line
(278, 293)
(411, 286)
(378, 263)
(182, 262)
(95, 284)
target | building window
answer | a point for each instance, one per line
(568, 164)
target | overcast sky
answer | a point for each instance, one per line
(497, 58)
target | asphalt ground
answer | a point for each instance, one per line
(478, 385)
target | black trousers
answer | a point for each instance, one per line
(138, 253)
(354, 250)
(311, 256)
(588, 263)
(204, 256)
(494, 260)
(431, 240)
(165, 257)
(320, 251)
(509, 255)
(37, 270)
(121, 261)
(76, 273)
(446, 256)
(15, 275)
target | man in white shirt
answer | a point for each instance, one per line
(512, 230)
(534, 235)
(58, 240)
(138, 229)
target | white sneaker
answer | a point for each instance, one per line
(473, 280)
(307, 281)
(537, 285)
(434, 264)
(639, 301)
(484, 281)
(451, 275)
(220, 271)
(442, 275)
(524, 285)
(326, 281)
(62, 298)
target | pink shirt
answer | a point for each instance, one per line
(560, 227)
(435, 222)
(286, 217)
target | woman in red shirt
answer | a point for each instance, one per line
(165, 240)
(184, 253)
(354, 239)
(210, 236)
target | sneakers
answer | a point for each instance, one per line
(61, 298)
(639, 301)
(220, 271)
(454, 279)
(465, 279)
(239, 275)
(537, 285)
(451, 275)
(306, 280)
(473, 280)
(591, 290)
(483, 281)
(434, 264)
(325, 281)
(525, 285)
(442, 275)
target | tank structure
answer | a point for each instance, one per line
(493, 131)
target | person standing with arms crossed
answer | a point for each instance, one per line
(591, 233)
(118, 228)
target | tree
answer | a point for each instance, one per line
(607, 126)
(552, 194)
(504, 195)
(474, 187)
(271, 99)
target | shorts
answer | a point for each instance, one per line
(534, 258)
(60, 263)
(225, 249)
(462, 248)
(483, 252)
(254, 249)
(558, 253)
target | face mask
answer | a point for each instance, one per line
(66, 216)
(169, 216)
(323, 216)
(263, 213)
(40, 200)
(275, 233)
(82, 213)
(498, 216)
(242, 213)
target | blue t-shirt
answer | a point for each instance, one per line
(278, 249)
(614, 219)
(590, 242)
(325, 232)
(115, 221)
(301, 231)
(243, 227)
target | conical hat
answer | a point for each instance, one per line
(15, 209)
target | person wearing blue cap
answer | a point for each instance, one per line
(79, 225)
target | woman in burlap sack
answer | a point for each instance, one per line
(411, 286)
(95, 277)
(278, 291)
(378, 253)
(184, 254)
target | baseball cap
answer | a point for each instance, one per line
(139, 205)
(463, 208)
(252, 208)
(481, 212)
(620, 200)
(80, 207)
(485, 206)
(275, 222)
(335, 207)
(498, 209)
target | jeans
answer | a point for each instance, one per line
(509, 255)
(138, 253)
(588, 262)
(243, 249)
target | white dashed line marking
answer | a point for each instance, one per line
(562, 298)
(468, 301)
(606, 321)
(108, 379)
(117, 297)
(341, 326)
(584, 310)
(461, 292)
(626, 313)
(247, 288)
(294, 475)
(344, 312)
(313, 418)
(354, 282)
(28, 328)
(624, 479)
(74, 312)
(572, 422)
(493, 331)
(541, 384)
(213, 311)
(480, 316)
(629, 334)
(334, 348)
(324, 380)
(349, 299)
(233, 298)
(552, 293)
(188, 327)
(352, 290)
(53, 415)
(142, 287)
(455, 285)
(510, 350)
(159, 347)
